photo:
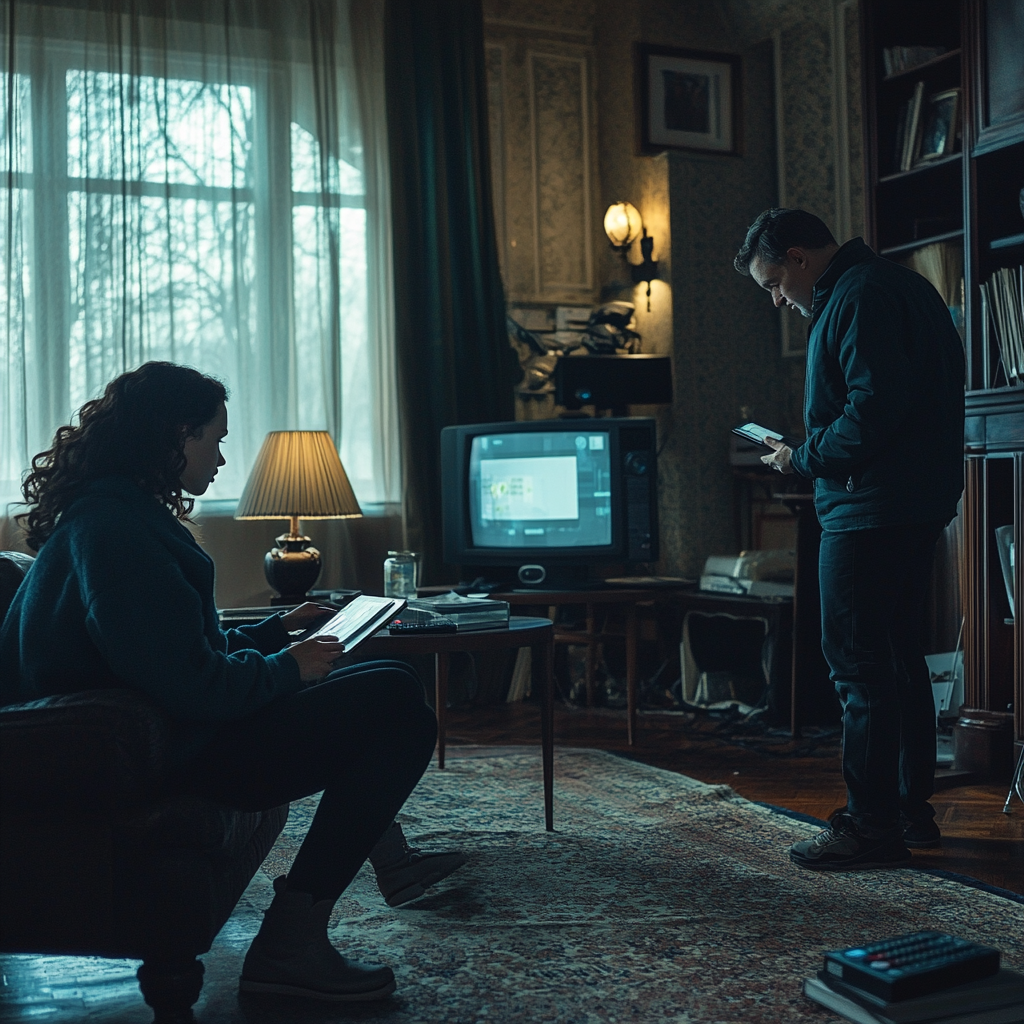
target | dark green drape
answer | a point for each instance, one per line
(455, 364)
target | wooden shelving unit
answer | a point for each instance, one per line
(973, 196)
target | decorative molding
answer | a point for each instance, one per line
(562, 195)
(547, 30)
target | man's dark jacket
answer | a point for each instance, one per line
(121, 595)
(884, 397)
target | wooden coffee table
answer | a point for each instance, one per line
(523, 631)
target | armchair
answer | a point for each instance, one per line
(94, 859)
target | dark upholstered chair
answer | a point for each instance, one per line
(93, 860)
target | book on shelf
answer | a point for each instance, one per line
(897, 59)
(1002, 305)
(469, 613)
(998, 999)
(912, 128)
(899, 136)
(1005, 545)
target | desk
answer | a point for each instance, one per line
(535, 633)
(591, 636)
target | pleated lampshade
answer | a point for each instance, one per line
(298, 473)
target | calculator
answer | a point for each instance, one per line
(912, 965)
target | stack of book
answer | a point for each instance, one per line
(898, 59)
(922, 978)
(469, 613)
(1002, 312)
(995, 1000)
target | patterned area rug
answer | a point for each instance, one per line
(658, 898)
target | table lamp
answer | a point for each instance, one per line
(297, 475)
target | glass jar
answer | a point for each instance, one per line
(401, 574)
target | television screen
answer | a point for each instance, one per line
(550, 499)
(544, 489)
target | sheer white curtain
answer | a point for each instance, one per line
(204, 183)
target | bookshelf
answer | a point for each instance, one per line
(967, 200)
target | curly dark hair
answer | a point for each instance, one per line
(137, 429)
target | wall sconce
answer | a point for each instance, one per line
(623, 224)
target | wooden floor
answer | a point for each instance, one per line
(977, 838)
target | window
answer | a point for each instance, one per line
(191, 196)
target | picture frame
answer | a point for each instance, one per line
(939, 125)
(689, 99)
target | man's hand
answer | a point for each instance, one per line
(305, 615)
(779, 459)
(316, 656)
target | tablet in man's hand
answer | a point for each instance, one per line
(756, 433)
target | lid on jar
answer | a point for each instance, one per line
(402, 554)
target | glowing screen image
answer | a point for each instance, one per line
(536, 488)
(541, 489)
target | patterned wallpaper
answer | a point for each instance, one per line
(722, 332)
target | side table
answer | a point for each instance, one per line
(522, 631)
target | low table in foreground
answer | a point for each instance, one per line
(522, 631)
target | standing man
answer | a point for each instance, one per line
(884, 412)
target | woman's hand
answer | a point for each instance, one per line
(316, 656)
(305, 615)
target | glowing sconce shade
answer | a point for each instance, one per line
(622, 225)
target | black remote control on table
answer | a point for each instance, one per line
(912, 965)
(440, 625)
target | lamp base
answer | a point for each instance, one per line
(291, 568)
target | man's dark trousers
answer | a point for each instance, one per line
(873, 588)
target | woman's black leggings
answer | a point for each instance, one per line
(364, 736)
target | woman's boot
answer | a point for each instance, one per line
(292, 955)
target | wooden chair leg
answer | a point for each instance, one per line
(631, 672)
(441, 660)
(591, 654)
(171, 989)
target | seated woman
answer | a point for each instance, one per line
(121, 595)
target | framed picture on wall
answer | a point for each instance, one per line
(689, 99)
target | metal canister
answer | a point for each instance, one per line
(400, 574)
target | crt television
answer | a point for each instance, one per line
(550, 500)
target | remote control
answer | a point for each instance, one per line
(912, 965)
(440, 625)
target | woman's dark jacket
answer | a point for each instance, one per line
(121, 595)
(884, 397)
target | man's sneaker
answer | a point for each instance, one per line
(921, 835)
(404, 874)
(844, 846)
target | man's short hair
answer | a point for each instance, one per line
(775, 232)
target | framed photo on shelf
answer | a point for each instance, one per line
(939, 125)
(689, 99)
